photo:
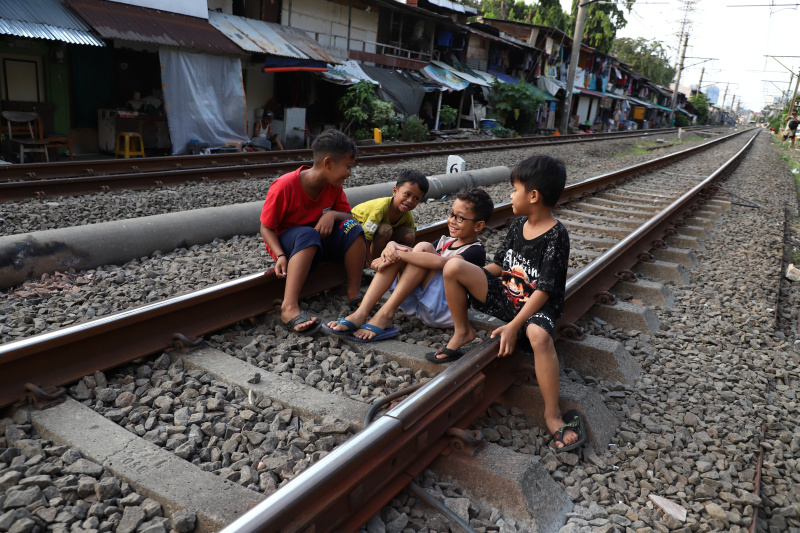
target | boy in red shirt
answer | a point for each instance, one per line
(306, 219)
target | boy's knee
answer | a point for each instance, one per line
(539, 338)
(424, 247)
(384, 232)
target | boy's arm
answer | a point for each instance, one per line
(509, 332)
(325, 223)
(494, 269)
(274, 244)
(427, 260)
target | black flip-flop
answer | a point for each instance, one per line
(303, 316)
(573, 420)
(355, 302)
(452, 355)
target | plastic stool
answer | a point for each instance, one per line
(127, 144)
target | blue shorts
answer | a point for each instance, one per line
(429, 305)
(331, 249)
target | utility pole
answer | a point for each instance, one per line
(700, 83)
(724, 97)
(678, 79)
(573, 65)
(794, 95)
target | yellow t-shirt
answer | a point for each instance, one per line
(373, 213)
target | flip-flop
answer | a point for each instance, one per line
(573, 420)
(303, 316)
(380, 333)
(452, 355)
(341, 321)
(355, 302)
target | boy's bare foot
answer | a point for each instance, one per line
(457, 341)
(570, 436)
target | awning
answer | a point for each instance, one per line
(348, 73)
(587, 92)
(684, 112)
(445, 77)
(404, 94)
(463, 75)
(642, 103)
(503, 77)
(114, 20)
(44, 19)
(287, 49)
(661, 107)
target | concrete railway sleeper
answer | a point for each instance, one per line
(264, 398)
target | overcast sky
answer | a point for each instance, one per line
(737, 37)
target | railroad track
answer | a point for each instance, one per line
(41, 180)
(372, 467)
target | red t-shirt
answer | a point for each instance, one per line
(288, 205)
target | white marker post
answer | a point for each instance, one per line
(455, 164)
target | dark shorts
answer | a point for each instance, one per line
(499, 306)
(331, 249)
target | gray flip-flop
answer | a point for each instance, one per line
(299, 319)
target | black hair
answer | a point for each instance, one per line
(414, 176)
(542, 173)
(482, 204)
(334, 144)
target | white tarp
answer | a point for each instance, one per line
(203, 97)
(348, 73)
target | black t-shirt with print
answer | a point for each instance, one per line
(536, 264)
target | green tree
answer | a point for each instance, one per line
(699, 102)
(549, 13)
(602, 22)
(505, 9)
(648, 58)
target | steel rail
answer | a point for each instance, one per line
(99, 167)
(259, 168)
(51, 359)
(342, 491)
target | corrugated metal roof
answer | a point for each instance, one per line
(113, 20)
(254, 36)
(261, 37)
(44, 19)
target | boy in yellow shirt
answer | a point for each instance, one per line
(390, 218)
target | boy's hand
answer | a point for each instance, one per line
(379, 264)
(389, 254)
(508, 339)
(280, 266)
(325, 224)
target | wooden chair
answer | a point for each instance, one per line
(21, 124)
(55, 140)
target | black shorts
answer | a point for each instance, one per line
(499, 306)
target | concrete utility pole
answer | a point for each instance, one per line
(573, 64)
(794, 95)
(700, 83)
(678, 79)
(724, 97)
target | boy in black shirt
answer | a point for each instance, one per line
(524, 286)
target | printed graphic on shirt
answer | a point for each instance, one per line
(518, 287)
(370, 226)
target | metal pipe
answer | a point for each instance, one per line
(439, 506)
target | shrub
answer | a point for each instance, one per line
(447, 116)
(382, 114)
(363, 133)
(515, 104)
(681, 120)
(357, 104)
(390, 132)
(414, 130)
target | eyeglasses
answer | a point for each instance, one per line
(459, 218)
